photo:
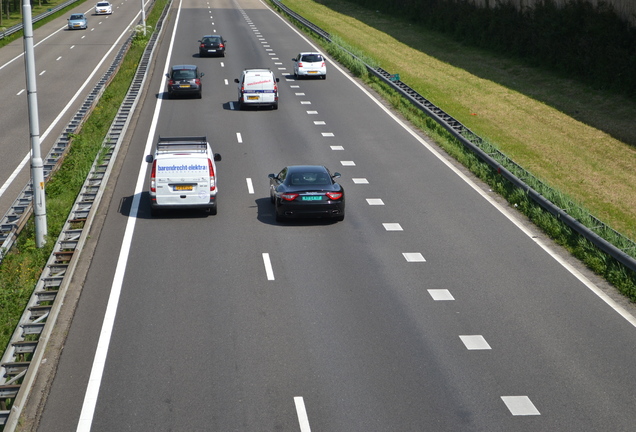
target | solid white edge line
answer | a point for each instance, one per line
(15, 173)
(250, 186)
(584, 280)
(99, 361)
(303, 420)
(269, 271)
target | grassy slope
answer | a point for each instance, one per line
(520, 109)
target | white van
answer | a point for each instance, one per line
(257, 87)
(183, 174)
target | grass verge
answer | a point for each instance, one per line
(561, 138)
(23, 264)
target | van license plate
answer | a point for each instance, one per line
(183, 187)
(252, 98)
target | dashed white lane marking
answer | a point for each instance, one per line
(337, 148)
(327, 134)
(348, 163)
(305, 102)
(319, 123)
(520, 405)
(312, 112)
(239, 138)
(42, 73)
(360, 180)
(222, 65)
(375, 201)
(269, 271)
(20, 92)
(282, 68)
(59, 58)
(303, 420)
(441, 294)
(72, 46)
(299, 94)
(226, 81)
(250, 186)
(475, 342)
(272, 54)
(267, 46)
(413, 257)
(278, 63)
(392, 226)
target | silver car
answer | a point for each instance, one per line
(77, 21)
(310, 64)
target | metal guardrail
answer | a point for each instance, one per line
(494, 158)
(24, 354)
(16, 28)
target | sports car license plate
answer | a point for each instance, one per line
(312, 198)
(183, 187)
(252, 98)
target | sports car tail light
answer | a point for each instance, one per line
(153, 180)
(289, 196)
(212, 180)
(334, 195)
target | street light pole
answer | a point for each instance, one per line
(143, 16)
(37, 166)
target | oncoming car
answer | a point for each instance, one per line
(212, 45)
(309, 64)
(306, 191)
(103, 8)
(77, 21)
(184, 80)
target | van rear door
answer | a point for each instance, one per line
(259, 88)
(183, 181)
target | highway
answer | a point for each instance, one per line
(69, 63)
(431, 307)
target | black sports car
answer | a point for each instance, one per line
(306, 191)
(212, 45)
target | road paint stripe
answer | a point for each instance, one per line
(99, 361)
(303, 420)
(520, 405)
(305, 102)
(375, 201)
(348, 163)
(299, 94)
(250, 186)
(59, 58)
(327, 134)
(269, 271)
(360, 180)
(392, 226)
(475, 342)
(441, 294)
(20, 92)
(312, 112)
(413, 257)
(337, 147)
(239, 138)
(42, 73)
(319, 123)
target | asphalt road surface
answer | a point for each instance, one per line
(429, 308)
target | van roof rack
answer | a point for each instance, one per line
(198, 144)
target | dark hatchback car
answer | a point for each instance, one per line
(306, 191)
(212, 45)
(184, 80)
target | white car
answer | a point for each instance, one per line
(310, 64)
(103, 8)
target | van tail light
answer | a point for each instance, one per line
(289, 196)
(212, 180)
(153, 174)
(334, 195)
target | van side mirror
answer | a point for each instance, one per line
(217, 157)
(149, 158)
(277, 79)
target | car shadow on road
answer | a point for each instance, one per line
(143, 212)
(266, 215)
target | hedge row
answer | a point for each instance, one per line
(587, 42)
